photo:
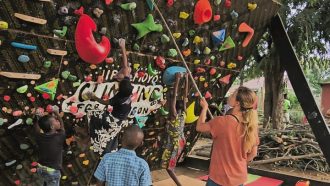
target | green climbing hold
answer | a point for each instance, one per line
(65, 74)
(141, 120)
(147, 26)
(192, 33)
(217, 2)
(212, 58)
(207, 51)
(24, 146)
(29, 121)
(22, 89)
(136, 47)
(76, 84)
(163, 112)
(228, 44)
(47, 64)
(164, 39)
(172, 52)
(48, 88)
(156, 95)
(72, 78)
(128, 6)
(61, 33)
(151, 71)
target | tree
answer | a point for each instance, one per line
(308, 24)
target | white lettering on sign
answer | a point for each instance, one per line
(141, 107)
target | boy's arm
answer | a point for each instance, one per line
(173, 110)
(36, 125)
(125, 68)
(57, 114)
(185, 98)
(100, 100)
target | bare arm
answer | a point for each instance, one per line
(56, 113)
(125, 68)
(185, 98)
(201, 125)
(173, 110)
(100, 100)
(36, 125)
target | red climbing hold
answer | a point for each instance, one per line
(225, 80)
(6, 98)
(45, 96)
(88, 78)
(141, 74)
(227, 3)
(243, 27)
(208, 95)
(207, 61)
(17, 182)
(49, 108)
(170, 3)
(73, 109)
(32, 99)
(109, 60)
(216, 17)
(200, 70)
(107, 2)
(213, 71)
(239, 58)
(88, 49)
(160, 62)
(202, 12)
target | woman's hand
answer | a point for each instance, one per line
(121, 43)
(204, 103)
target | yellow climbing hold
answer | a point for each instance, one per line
(184, 15)
(231, 65)
(197, 61)
(191, 117)
(64, 177)
(82, 155)
(146, 95)
(86, 162)
(177, 35)
(197, 40)
(136, 66)
(252, 6)
(3, 25)
(201, 79)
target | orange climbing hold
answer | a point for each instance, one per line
(186, 52)
(243, 27)
(225, 80)
(302, 183)
(202, 12)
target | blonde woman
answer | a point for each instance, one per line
(235, 139)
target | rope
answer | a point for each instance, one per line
(180, 54)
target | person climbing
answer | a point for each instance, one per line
(286, 107)
(121, 107)
(124, 167)
(235, 139)
(175, 129)
(50, 136)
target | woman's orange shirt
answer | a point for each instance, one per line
(229, 161)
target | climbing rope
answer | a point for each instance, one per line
(180, 54)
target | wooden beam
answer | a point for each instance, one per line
(290, 63)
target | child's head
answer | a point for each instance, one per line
(48, 123)
(179, 106)
(125, 88)
(243, 98)
(133, 137)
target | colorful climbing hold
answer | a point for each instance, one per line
(202, 79)
(228, 44)
(191, 117)
(160, 62)
(141, 120)
(128, 6)
(213, 71)
(186, 53)
(6, 98)
(222, 63)
(97, 12)
(172, 52)
(109, 60)
(234, 15)
(252, 6)
(217, 2)
(218, 36)
(23, 58)
(3, 25)
(150, 4)
(141, 74)
(72, 77)
(170, 3)
(63, 10)
(164, 39)
(231, 65)
(227, 4)
(191, 33)
(202, 12)
(207, 95)
(2, 121)
(147, 26)
(183, 15)
(61, 33)
(151, 71)
(225, 80)
(216, 17)
(65, 74)
(29, 121)
(207, 51)
(17, 113)
(22, 89)
(47, 64)
(197, 40)
(156, 95)
(197, 51)
(163, 112)
(85, 162)
(48, 88)
(136, 47)
(23, 46)
(177, 35)
(185, 42)
(197, 61)
(136, 66)
(207, 61)
(239, 58)
(243, 27)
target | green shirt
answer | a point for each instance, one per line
(286, 105)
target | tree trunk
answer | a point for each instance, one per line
(274, 86)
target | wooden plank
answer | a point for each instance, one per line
(57, 52)
(16, 75)
(30, 19)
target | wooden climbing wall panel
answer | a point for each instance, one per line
(17, 145)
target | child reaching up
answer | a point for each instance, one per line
(125, 70)
(50, 136)
(175, 129)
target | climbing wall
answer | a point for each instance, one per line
(57, 64)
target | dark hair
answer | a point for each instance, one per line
(125, 88)
(44, 123)
(179, 105)
(130, 137)
(285, 96)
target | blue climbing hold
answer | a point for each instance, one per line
(169, 74)
(23, 58)
(218, 36)
(23, 46)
